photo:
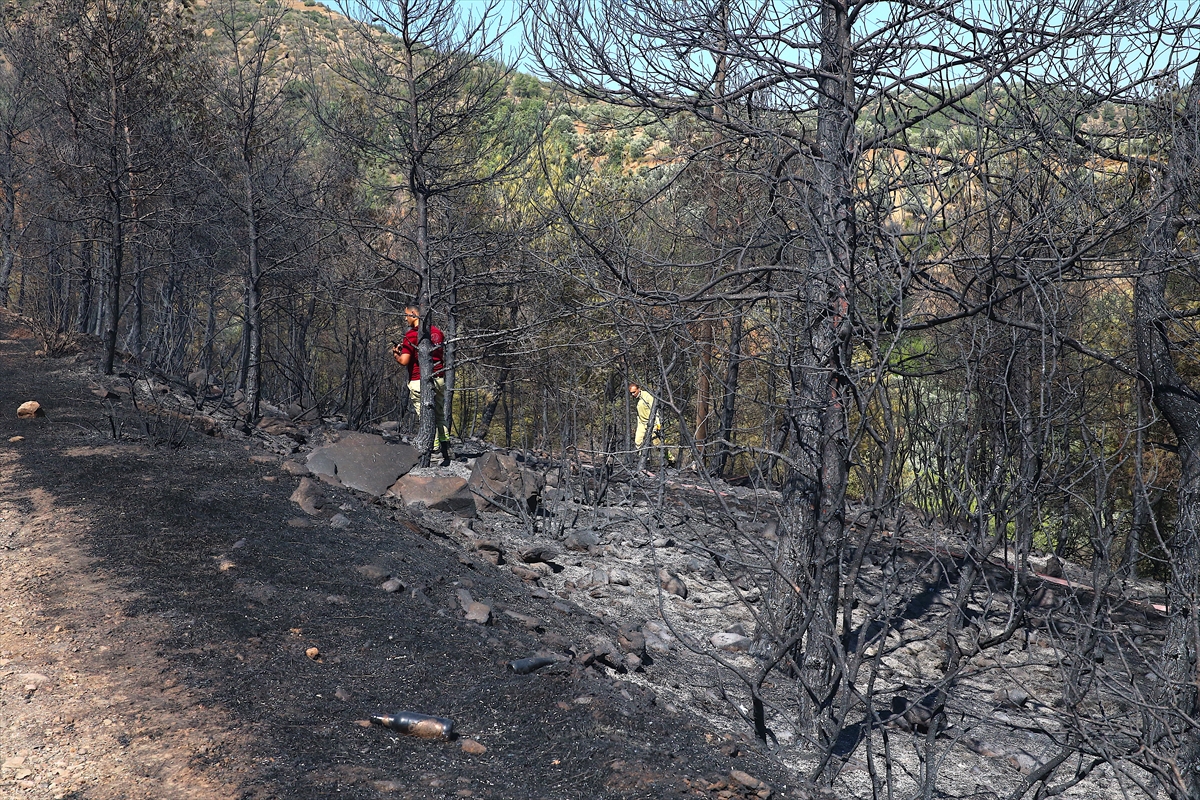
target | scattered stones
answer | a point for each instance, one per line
(619, 577)
(597, 577)
(373, 572)
(30, 409)
(581, 540)
(392, 585)
(490, 550)
(672, 583)
(281, 426)
(312, 653)
(732, 642)
(474, 610)
(294, 468)
(472, 747)
(16, 438)
(541, 553)
(657, 637)
(1010, 698)
(524, 573)
(309, 497)
(526, 621)
(340, 521)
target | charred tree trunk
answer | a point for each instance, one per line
(815, 490)
(1175, 744)
(731, 386)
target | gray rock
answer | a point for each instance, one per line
(581, 541)
(373, 572)
(1010, 698)
(498, 482)
(392, 585)
(363, 461)
(436, 492)
(294, 468)
(340, 521)
(322, 465)
(732, 642)
(538, 553)
(631, 640)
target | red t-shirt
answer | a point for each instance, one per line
(410, 346)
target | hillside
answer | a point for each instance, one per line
(184, 622)
(159, 604)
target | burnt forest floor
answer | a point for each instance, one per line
(159, 607)
(179, 619)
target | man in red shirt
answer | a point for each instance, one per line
(405, 354)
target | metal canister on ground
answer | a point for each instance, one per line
(422, 726)
(523, 666)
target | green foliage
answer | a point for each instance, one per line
(526, 86)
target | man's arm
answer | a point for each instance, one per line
(405, 350)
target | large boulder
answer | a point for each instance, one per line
(362, 461)
(436, 492)
(499, 482)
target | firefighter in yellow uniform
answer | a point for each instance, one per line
(645, 407)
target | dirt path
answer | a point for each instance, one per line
(88, 707)
(157, 606)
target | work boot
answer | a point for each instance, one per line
(446, 459)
